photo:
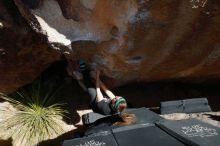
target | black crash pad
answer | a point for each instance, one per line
(185, 106)
(91, 117)
(97, 129)
(101, 140)
(192, 132)
(143, 115)
(145, 135)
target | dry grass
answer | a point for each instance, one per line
(31, 119)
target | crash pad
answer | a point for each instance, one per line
(194, 105)
(144, 135)
(143, 115)
(192, 132)
(104, 139)
(91, 117)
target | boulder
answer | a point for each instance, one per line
(24, 54)
(129, 40)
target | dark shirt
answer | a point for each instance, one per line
(102, 107)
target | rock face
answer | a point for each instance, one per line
(23, 53)
(130, 40)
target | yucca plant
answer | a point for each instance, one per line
(35, 118)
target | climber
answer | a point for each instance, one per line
(106, 105)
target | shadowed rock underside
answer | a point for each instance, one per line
(129, 40)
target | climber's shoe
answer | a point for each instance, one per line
(82, 65)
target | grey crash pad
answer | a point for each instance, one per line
(101, 140)
(194, 105)
(193, 132)
(145, 135)
(143, 115)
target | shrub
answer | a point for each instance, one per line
(35, 118)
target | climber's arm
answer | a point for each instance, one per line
(75, 75)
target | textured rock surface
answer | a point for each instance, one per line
(132, 40)
(146, 40)
(23, 53)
